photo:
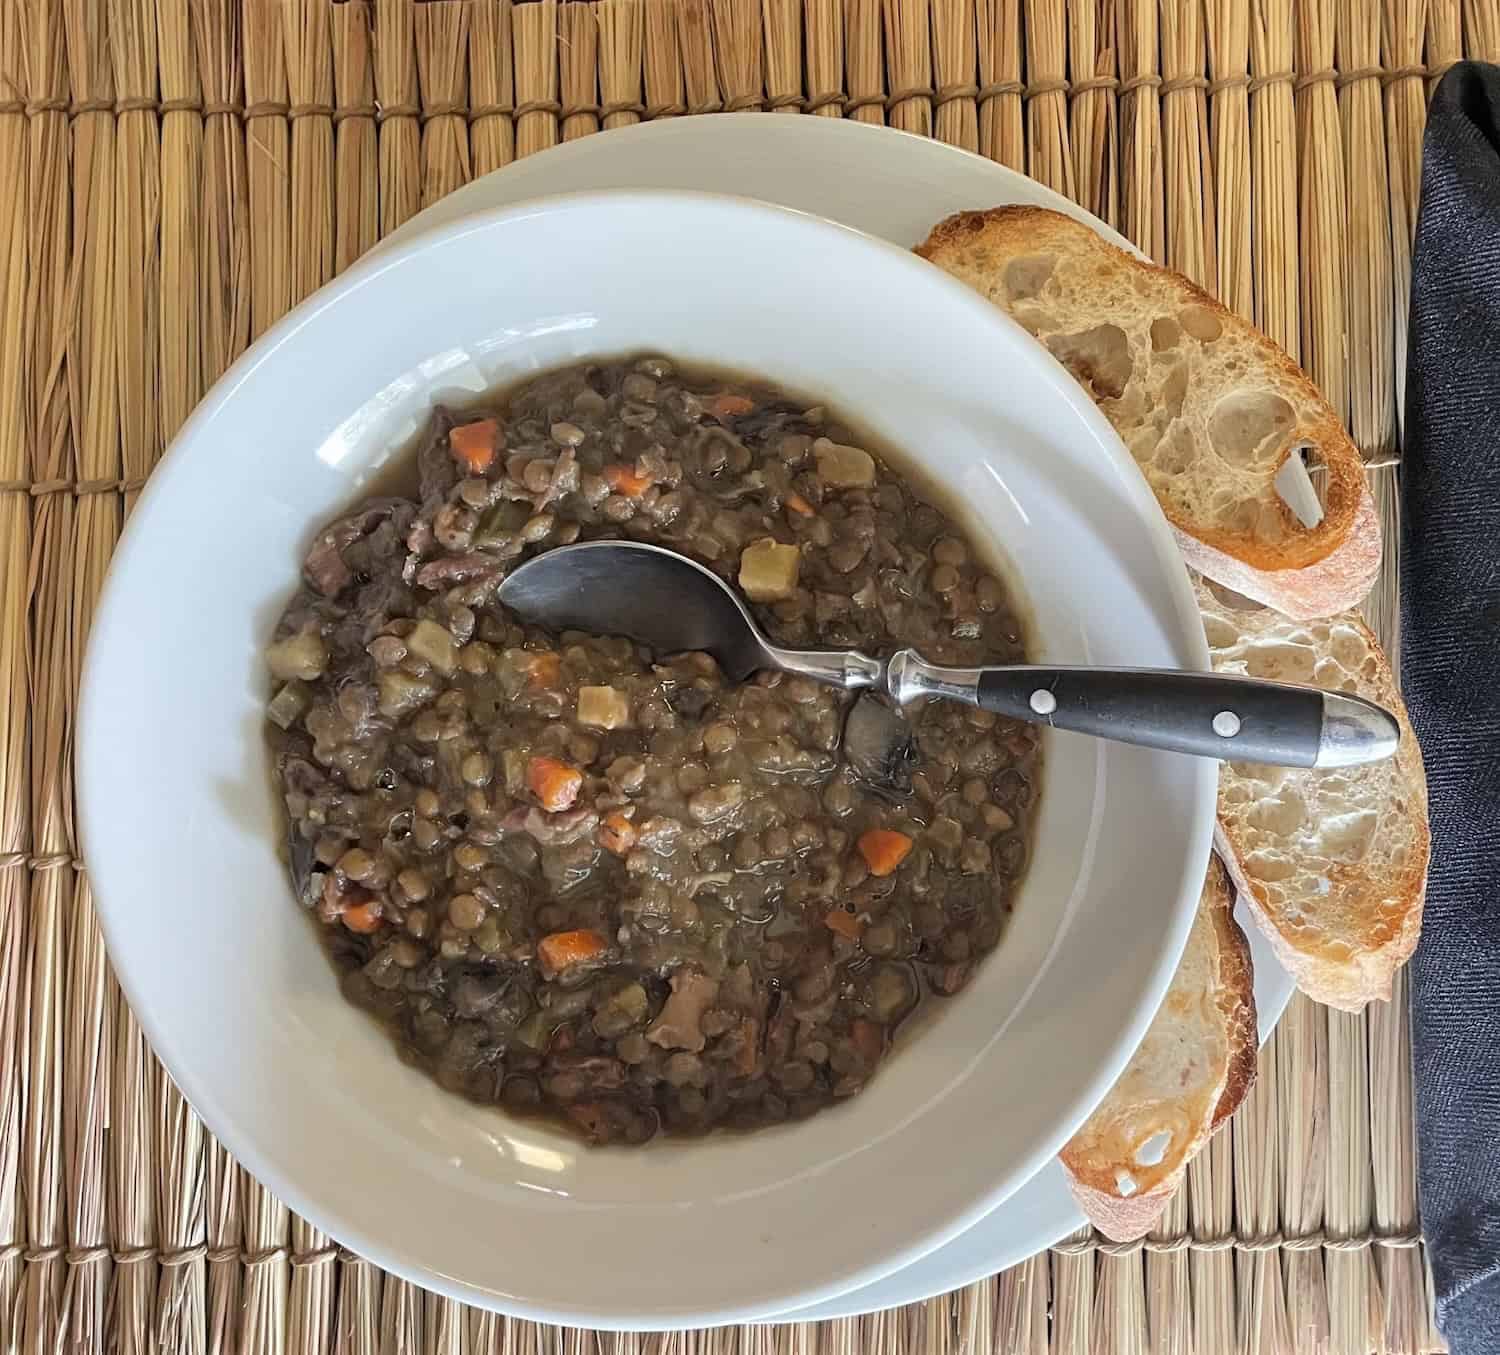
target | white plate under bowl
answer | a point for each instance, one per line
(895, 186)
(180, 827)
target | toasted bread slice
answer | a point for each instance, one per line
(1189, 1075)
(1333, 863)
(1209, 407)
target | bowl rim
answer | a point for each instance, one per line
(382, 1249)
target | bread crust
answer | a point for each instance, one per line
(1303, 570)
(1338, 891)
(1122, 1195)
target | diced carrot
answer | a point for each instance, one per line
(564, 950)
(748, 1056)
(363, 918)
(797, 504)
(474, 444)
(868, 1038)
(728, 405)
(625, 481)
(617, 834)
(349, 903)
(556, 783)
(883, 849)
(545, 669)
(843, 923)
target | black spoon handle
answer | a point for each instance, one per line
(1237, 719)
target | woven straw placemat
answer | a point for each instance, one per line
(176, 173)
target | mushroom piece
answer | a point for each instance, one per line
(680, 1025)
(879, 746)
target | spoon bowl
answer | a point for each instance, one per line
(645, 593)
(667, 601)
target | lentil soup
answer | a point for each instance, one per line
(580, 879)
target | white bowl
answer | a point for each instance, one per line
(180, 825)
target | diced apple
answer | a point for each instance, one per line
(843, 467)
(434, 644)
(603, 707)
(401, 693)
(289, 704)
(303, 656)
(768, 570)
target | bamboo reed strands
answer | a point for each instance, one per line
(181, 175)
(1367, 233)
(1368, 297)
(1352, 1283)
(1260, 1297)
(1273, 139)
(1405, 120)
(268, 173)
(534, 33)
(866, 66)
(224, 331)
(973, 1319)
(1482, 30)
(224, 203)
(908, 59)
(1228, 161)
(1402, 1279)
(666, 94)
(955, 67)
(1001, 115)
(132, 1179)
(1320, 164)
(1050, 158)
(137, 244)
(1093, 118)
(492, 85)
(263, 1319)
(307, 29)
(1210, 1190)
(15, 553)
(621, 43)
(1188, 161)
(443, 76)
(396, 98)
(268, 164)
(38, 1328)
(578, 69)
(782, 21)
(1022, 1295)
(1141, 187)
(1073, 1297)
(1120, 1307)
(737, 42)
(1445, 41)
(695, 39)
(1169, 1298)
(94, 411)
(135, 29)
(357, 1322)
(356, 147)
(1302, 1075)
(224, 1232)
(825, 57)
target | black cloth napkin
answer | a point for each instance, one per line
(1450, 614)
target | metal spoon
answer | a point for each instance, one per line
(668, 602)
